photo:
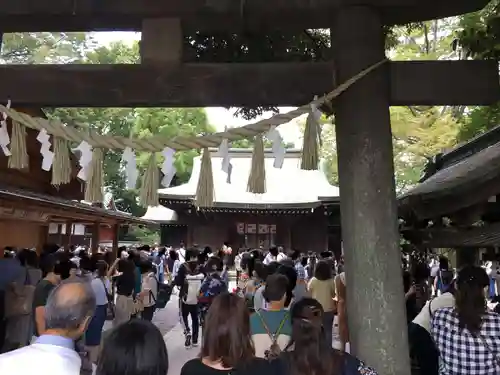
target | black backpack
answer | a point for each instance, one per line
(163, 295)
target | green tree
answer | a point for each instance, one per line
(43, 48)
(169, 122)
(478, 37)
(418, 132)
(265, 46)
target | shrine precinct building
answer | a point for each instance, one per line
(300, 209)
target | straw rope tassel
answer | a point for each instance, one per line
(257, 177)
(93, 186)
(205, 189)
(19, 158)
(61, 166)
(311, 145)
(150, 183)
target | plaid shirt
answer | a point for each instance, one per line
(460, 352)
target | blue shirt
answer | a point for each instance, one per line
(10, 271)
(63, 342)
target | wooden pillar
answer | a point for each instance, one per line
(161, 41)
(114, 249)
(96, 228)
(375, 297)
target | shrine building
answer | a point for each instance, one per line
(300, 209)
(30, 204)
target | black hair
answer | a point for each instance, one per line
(291, 276)
(470, 301)
(274, 251)
(146, 266)
(444, 264)
(192, 254)
(28, 257)
(172, 254)
(62, 267)
(133, 348)
(323, 270)
(214, 264)
(310, 352)
(276, 287)
(421, 272)
(272, 268)
(406, 281)
(86, 264)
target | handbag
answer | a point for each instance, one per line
(110, 307)
(19, 299)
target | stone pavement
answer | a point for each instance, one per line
(174, 339)
(178, 355)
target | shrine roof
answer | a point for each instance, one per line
(464, 176)
(288, 187)
(66, 207)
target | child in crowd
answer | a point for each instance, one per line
(212, 286)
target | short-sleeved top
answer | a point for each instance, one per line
(99, 287)
(40, 296)
(255, 366)
(273, 319)
(323, 291)
(125, 284)
(460, 352)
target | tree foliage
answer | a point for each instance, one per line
(479, 38)
(418, 132)
(30, 48)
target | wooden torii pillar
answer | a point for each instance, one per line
(375, 297)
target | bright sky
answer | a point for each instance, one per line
(217, 116)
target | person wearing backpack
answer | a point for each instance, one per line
(212, 286)
(149, 292)
(444, 276)
(189, 279)
(271, 328)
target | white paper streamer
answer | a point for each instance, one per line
(315, 111)
(47, 155)
(130, 164)
(168, 168)
(4, 133)
(227, 167)
(85, 159)
(278, 148)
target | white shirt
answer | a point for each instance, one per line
(280, 257)
(269, 259)
(182, 255)
(149, 283)
(41, 359)
(423, 319)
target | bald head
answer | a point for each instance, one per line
(69, 305)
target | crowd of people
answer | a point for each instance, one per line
(278, 318)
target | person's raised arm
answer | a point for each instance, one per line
(112, 269)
